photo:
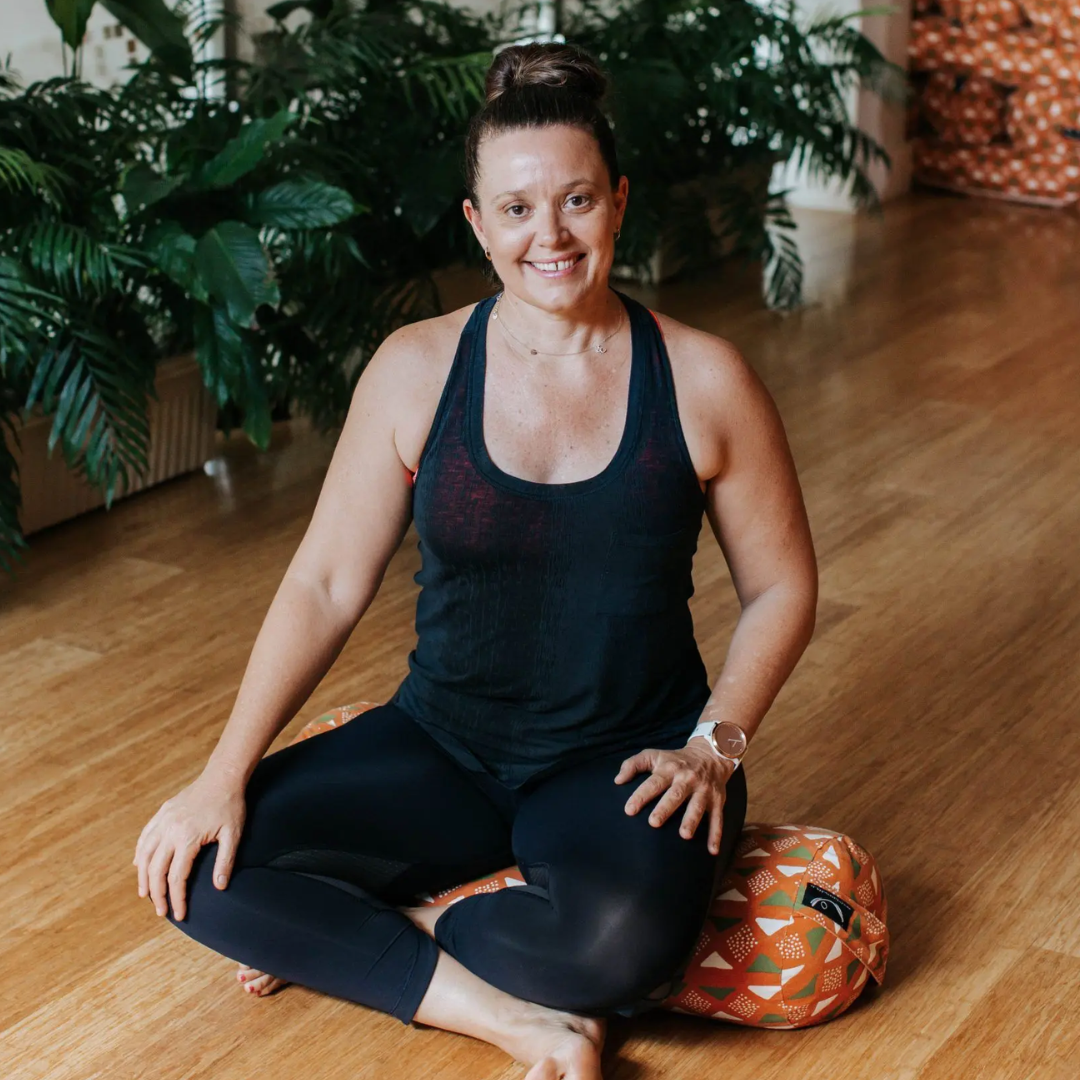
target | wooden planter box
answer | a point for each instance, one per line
(182, 439)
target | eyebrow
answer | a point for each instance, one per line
(521, 194)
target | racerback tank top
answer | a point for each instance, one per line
(552, 622)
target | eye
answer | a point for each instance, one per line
(584, 199)
(516, 206)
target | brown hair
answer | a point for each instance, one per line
(539, 85)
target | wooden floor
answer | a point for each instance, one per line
(931, 394)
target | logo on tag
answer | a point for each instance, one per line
(828, 904)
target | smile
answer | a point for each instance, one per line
(557, 268)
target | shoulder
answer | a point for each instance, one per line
(416, 345)
(720, 397)
(705, 361)
(405, 376)
(713, 373)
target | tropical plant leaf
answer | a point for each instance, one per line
(71, 16)
(241, 154)
(231, 370)
(232, 264)
(97, 391)
(172, 251)
(25, 311)
(18, 170)
(70, 259)
(142, 187)
(12, 541)
(159, 29)
(300, 204)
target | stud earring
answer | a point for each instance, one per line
(618, 233)
(487, 252)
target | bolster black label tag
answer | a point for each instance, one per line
(828, 904)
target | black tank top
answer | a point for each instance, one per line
(552, 621)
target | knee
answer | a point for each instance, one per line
(202, 898)
(626, 954)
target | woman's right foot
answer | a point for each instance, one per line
(256, 982)
(558, 1045)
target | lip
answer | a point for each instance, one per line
(580, 257)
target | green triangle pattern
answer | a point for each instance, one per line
(774, 1018)
(851, 969)
(778, 899)
(763, 963)
(721, 992)
(856, 866)
(807, 991)
(856, 927)
(724, 922)
(801, 852)
(814, 936)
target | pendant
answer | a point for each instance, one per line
(600, 348)
(533, 351)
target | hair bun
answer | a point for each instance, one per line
(545, 64)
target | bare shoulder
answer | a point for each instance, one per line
(407, 374)
(716, 389)
(703, 360)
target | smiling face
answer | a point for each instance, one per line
(548, 214)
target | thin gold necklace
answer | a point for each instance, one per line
(600, 347)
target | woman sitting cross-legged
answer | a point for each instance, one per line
(557, 446)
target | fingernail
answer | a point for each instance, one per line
(243, 978)
(221, 879)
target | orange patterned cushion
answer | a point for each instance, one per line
(795, 928)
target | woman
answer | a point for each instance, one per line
(558, 489)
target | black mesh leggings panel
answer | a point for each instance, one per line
(343, 827)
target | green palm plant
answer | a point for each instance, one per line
(710, 91)
(73, 333)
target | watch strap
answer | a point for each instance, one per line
(704, 729)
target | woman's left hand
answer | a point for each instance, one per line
(689, 771)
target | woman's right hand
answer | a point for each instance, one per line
(205, 811)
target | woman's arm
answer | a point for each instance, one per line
(362, 514)
(756, 510)
(755, 507)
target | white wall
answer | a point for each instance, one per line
(32, 40)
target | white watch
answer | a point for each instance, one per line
(727, 739)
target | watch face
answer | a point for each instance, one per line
(730, 739)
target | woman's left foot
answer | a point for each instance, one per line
(257, 983)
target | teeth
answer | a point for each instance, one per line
(555, 265)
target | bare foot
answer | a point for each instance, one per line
(558, 1045)
(257, 982)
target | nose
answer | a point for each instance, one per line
(550, 227)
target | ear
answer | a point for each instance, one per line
(472, 215)
(620, 197)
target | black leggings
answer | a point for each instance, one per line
(344, 826)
